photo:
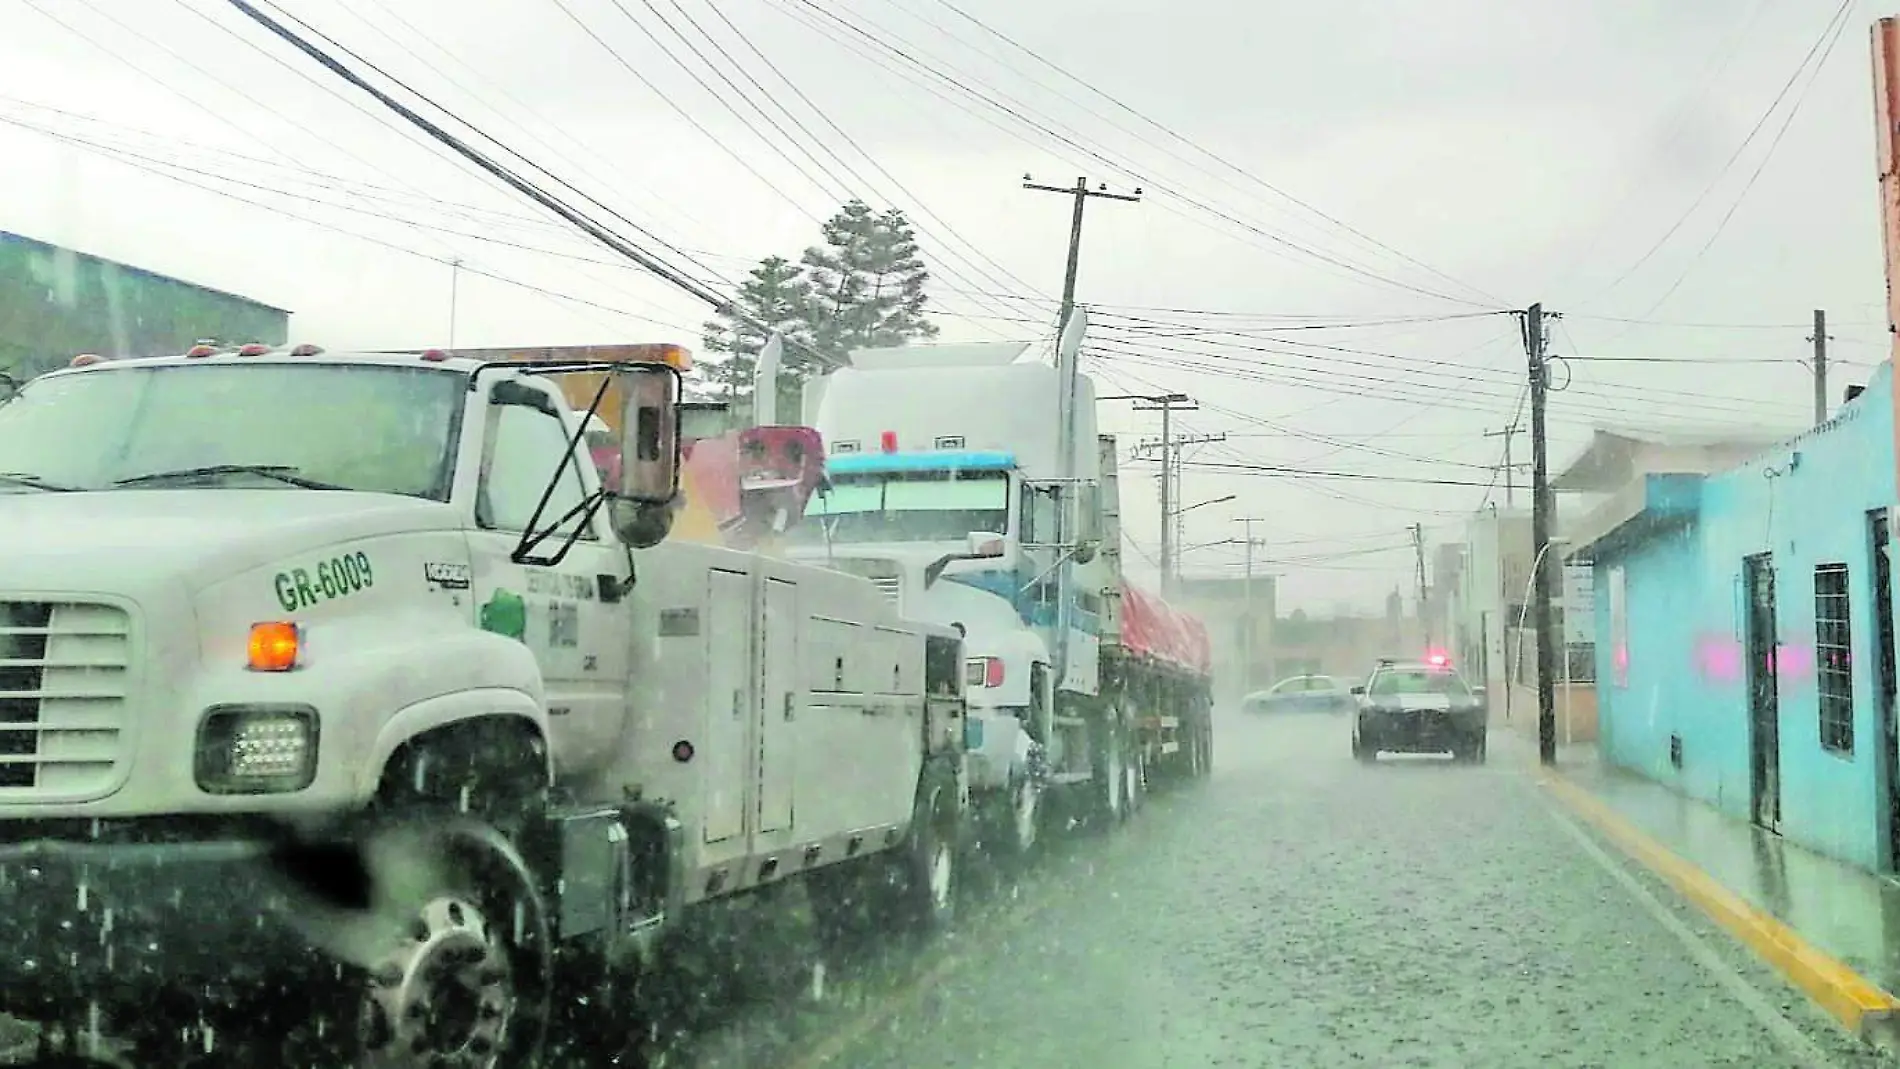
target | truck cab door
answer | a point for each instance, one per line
(568, 614)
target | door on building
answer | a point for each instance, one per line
(1889, 735)
(1764, 707)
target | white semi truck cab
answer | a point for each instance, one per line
(356, 651)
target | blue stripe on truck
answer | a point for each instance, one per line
(935, 460)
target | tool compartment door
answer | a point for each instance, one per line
(730, 703)
(780, 704)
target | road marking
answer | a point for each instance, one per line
(1769, 938)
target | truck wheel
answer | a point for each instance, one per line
(1024, 817)
(469, 981)
(448, 952)
(931, 865)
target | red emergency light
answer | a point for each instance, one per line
(1437, 659)
(253, 349)
(434, 356)
(888, 441)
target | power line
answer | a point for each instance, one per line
(1027, 117)
(910, 198)
(606, 237)
(1787, 121)
(1748, 139)
(1318, 473)
(1176, 135)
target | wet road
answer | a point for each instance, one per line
(1298, 909)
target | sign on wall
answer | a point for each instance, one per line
(1579, 603)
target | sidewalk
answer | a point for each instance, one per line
(1846, 913)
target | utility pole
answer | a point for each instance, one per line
(1820, 366)
(1166, 404)
(1418, 551)
(455, 278)
(1510, 475)
(1081, 192)
(1248, 629)
(1534, 342)
(1180, 464)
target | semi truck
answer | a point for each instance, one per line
(953, 485)
(347, 718)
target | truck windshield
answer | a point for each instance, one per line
(939, 506)
(365, 427)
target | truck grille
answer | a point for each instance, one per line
(63, 689)
(890, 586)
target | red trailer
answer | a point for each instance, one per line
(1162, 672)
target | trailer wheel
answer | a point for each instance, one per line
(1134, 781)
(1110, 781)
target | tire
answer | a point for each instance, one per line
(1134, 782)
(931, 868)
(1366, 754)
(1109, 781)
(1021, 819)
(467, 978)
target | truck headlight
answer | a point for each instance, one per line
(257, 749)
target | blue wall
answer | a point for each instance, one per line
(1685, 627)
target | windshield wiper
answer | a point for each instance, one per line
(283, 473)
(16, 478)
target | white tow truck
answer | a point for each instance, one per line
(950, 488)
(353, 652)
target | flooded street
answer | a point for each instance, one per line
(1301, 909)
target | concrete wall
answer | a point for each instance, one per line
(1682, 668)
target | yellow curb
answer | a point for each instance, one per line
(1863, 1007)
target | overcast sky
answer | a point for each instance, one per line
(1649, 170)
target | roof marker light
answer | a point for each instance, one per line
(307, 349)
(85, 360)
(888, 441)
(253, 349)
(201, 350)
(434, 356)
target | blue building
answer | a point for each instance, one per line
(1745, 637)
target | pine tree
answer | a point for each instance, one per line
(867, 282)
(863, 288)
(777, 295)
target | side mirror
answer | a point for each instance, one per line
(1357, 691)
(9, 386)
(1085, 552)
(640, 504)
(983, 545)
(650, 438)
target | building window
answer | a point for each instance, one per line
(1833, 657)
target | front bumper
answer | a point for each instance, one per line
(108, 919)
(1420, 730)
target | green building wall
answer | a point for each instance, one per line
(56, 303)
